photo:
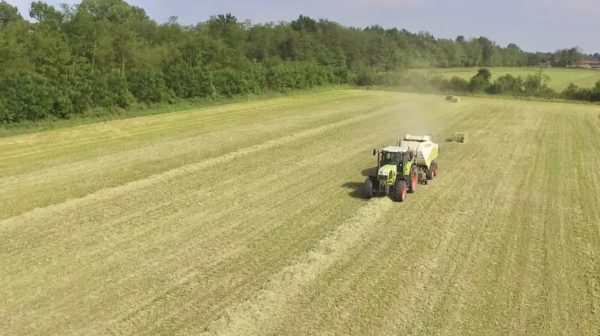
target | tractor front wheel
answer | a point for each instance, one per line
(368, 189)
(400, 191)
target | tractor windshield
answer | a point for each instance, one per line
(391, 158)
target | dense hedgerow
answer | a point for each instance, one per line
(108, 54)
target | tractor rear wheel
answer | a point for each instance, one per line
(413, 180)
(368, 189)
(400, 191)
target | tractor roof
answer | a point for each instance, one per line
(395, 149)
(419, 138)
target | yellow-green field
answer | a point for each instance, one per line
(560, 78)
(247, 219)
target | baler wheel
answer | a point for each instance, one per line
(430, 172)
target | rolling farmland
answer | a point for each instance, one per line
(247, 219)
(560, 78)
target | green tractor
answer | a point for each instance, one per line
(401, 168)
(396, 174)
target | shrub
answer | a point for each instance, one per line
(187, 82)
(365, 77)
(595, 92)
(570, 92)
(110, 90)
(26, 96)
(148, 86)
(230, 82)
(507, 84)
(298, 75)
(458, 84)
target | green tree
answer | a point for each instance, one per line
(481, 81)
(567, 57)
(8, 14)
(108, 54)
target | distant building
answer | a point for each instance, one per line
(545, 64)
(595, 65)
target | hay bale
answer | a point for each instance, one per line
(460, 137)
(453, 99)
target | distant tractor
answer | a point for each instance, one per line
(400, 168)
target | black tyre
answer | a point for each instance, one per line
(368, 189)
(413, 179)
(429, 173)
(432, 171)
(400, 191)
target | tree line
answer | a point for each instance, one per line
(108, 54)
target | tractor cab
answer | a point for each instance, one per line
(393, 158)
(391, 162)
(394, 155)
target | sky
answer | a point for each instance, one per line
(534, 25)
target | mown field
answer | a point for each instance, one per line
(560, 78)
(246, 219)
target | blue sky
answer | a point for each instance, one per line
(534, 25)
